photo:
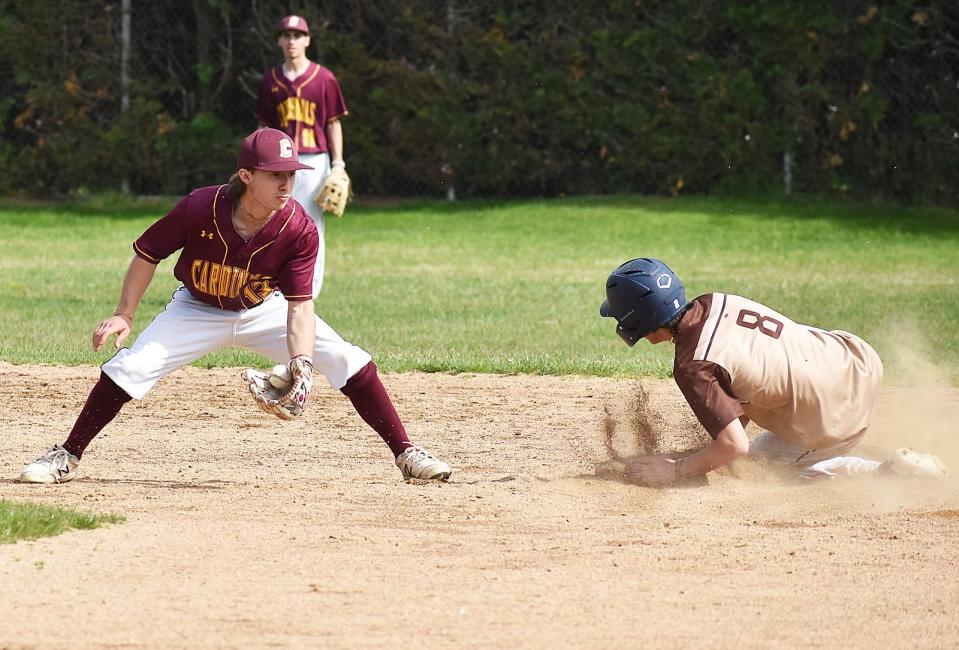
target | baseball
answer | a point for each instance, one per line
(280, 376)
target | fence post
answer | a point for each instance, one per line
(125, 72)
(787, 172)
(447, 168)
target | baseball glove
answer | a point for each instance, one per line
(288, 402)
(335, 192)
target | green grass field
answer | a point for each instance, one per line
(31, 521)
(515, 287)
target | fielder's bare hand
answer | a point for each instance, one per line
(652, 471)
(117, 324)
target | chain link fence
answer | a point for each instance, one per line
(449, 98)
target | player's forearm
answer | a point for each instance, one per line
(334, 139)
(300, 328)
(135, 283)
(730, 444)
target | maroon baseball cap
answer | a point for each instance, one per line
(269, 150)
(293, 23)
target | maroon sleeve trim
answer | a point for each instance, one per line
(146, 258)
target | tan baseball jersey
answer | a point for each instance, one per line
(736, 357)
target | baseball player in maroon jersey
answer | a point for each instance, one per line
(246, 261)
(812, 390)
(303, 99)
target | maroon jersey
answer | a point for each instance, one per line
(302, 107)
(221, 269)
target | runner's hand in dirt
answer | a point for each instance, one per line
(652, 471)
(118, 324)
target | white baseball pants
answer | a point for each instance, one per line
(827, 461)
(188, 329)
(308, 183)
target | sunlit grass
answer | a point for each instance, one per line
(516, 287)
(24, 520)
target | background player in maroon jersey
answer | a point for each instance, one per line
(303, 99)
(738, 360)
(246, 264)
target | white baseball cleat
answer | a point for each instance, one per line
(416, 462)
(55, 466)
(906, 462)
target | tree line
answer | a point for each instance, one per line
(497, 98)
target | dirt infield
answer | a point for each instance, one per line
(245, 532)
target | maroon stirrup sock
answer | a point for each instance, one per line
(105, 401)
(372, 402)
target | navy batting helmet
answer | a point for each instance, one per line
(642, 295)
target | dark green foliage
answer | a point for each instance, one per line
(500, 98)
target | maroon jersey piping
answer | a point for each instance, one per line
(289, 88)
(226, 247)
(282, 82)
(316, 71)
(267, 245)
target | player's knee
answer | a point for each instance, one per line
(341, 363)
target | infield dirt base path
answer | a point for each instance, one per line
(245, 532)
